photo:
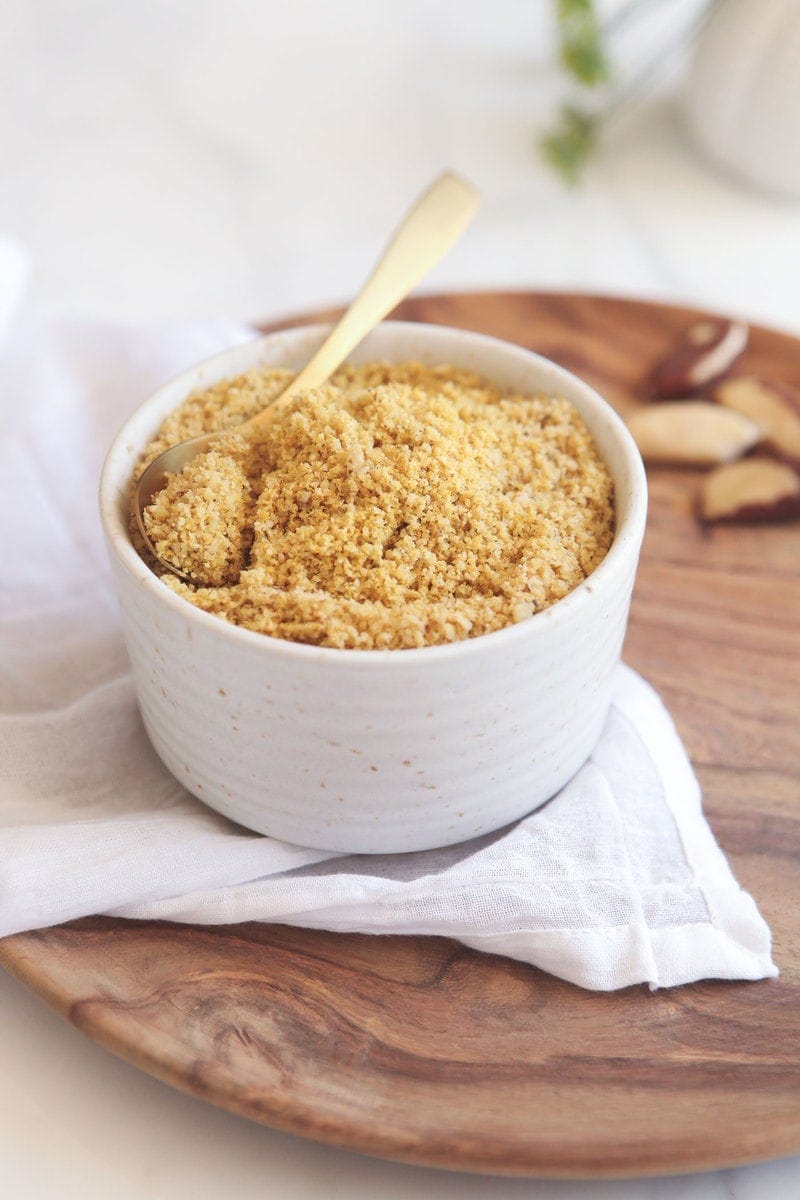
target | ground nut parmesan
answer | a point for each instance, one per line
(397, 506)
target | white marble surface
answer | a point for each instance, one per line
(247, 158)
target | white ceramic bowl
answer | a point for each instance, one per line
(376, 751)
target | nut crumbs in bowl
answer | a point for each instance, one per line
(398, 506)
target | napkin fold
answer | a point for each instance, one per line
(617, 880)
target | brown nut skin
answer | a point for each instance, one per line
(750, 492)
(707, 351)
(691, 433)
(774, 406)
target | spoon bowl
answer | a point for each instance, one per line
(154, 479)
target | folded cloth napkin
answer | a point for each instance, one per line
(617, 880)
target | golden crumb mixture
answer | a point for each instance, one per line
(397, 506)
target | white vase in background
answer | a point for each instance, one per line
(743, 91)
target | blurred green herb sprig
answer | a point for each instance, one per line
(584, 54)
(569, 144)
(581, 47)
(567, 147)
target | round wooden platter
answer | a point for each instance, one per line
(417, 1049)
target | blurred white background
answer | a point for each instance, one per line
(247, 158)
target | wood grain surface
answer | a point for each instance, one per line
(420, 1050)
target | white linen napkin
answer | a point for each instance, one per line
(618, 880)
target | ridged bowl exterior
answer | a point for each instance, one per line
(377, 751)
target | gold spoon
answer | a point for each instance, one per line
(430, 228)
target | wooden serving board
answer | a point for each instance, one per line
(420, 1050)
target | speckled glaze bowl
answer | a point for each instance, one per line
(376, 751)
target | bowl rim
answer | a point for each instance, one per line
(627, 537)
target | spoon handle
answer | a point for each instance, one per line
(431, 227)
